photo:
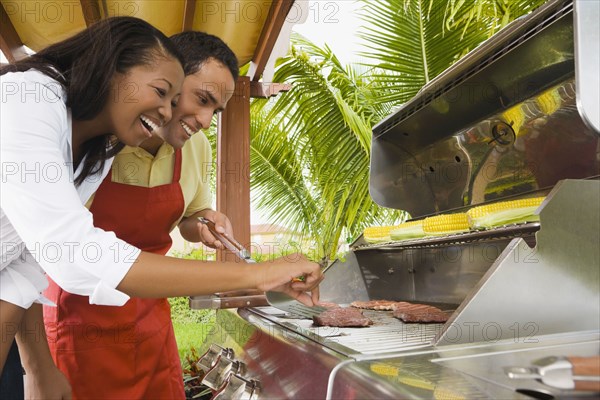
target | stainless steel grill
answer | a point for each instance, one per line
(513, 119)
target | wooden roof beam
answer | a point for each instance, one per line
(188, 15)
(91, 11)
(10, 42)
(275, 20)
(266, 90)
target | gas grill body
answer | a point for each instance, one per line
(513, 119)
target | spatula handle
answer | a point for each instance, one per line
(586, 367)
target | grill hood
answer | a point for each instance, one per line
(505, 121)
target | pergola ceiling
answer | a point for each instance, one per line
(249, 27)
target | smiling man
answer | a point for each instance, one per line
(151, 189)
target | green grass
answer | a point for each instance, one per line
(190, 326)
(188, 335)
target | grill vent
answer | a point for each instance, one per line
(565, 8)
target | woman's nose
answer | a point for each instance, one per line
(166, 113)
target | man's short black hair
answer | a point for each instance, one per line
(198, 47)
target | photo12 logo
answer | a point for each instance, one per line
(65, 12)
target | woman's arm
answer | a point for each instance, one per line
(158, 276)
(44, 379)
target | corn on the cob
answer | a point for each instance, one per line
(515, 117)
(549, 101)
(446, 224)
(408, 230)
(505, 212)
(384, 369)
(378, 234)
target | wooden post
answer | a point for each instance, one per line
(233, 164)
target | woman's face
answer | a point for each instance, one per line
(204, 94)
(141, 99)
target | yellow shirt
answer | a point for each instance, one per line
(135, 166)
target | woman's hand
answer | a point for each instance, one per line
(279, 275)
(47, 384)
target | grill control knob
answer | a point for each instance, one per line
(238, 388)
(218, 374)
(209, 359)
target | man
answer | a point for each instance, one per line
(130, 351)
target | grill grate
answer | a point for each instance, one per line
(386, 335)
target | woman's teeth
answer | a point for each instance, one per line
(187, 129)
(148, 124)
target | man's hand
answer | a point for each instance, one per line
(194, 231)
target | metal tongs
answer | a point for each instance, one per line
(579, 373)
(230, 243)
(275, 299)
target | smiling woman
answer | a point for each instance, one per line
(85, 116)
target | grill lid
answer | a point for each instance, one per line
(502, 122)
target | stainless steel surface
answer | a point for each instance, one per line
(445, 152)
(288, 365)
(488, 362)
(587, 60)
(429, 273)
(551, 288)
(466, 372)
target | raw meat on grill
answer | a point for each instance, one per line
(328, 304)
(421, 317)
(342, 318)
(409, 312)
(404, 306)
(374, 304)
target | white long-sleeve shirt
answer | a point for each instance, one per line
(43, 220)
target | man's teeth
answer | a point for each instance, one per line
(151, 124)
(187, 129)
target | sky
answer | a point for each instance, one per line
(335, 23)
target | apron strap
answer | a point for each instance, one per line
(177, 166)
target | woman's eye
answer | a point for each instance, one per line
(161, 92)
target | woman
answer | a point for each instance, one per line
(110, 85)
(150, 190)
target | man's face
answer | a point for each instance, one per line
(203, 95)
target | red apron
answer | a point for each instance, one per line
(126, 352)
